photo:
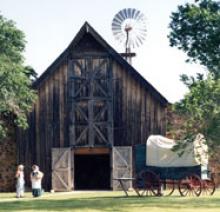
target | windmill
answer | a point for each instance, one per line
(129, 28)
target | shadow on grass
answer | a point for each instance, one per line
(106, 203)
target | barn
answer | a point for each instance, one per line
(93, 107)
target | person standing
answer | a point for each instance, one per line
(36, 179)
(20, 181)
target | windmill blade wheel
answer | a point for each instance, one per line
(129, 27)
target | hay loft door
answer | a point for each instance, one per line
(122, 165)
(90, 101)
(62, 169)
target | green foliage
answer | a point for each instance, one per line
(16, 95)
(195, 29)
(201, 106)
(30, 73)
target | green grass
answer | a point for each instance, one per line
(108, 201)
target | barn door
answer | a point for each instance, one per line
(90, 101)
(122, 165)
(62, 169)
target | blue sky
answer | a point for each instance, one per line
(50, 25)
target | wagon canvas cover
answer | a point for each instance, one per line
(160, 153)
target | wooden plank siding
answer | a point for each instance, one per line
(137, 114)
(47, 123)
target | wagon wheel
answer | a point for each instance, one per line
(138, 184)
(190, 186)
(208, 186)
(151, 184)
(168, 187)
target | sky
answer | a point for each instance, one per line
(50, 25)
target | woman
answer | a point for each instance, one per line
(36, 178)
(20, 181)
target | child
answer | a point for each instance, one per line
(36, 178)
(20, 181)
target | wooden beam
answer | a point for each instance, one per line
(92, 151)
(71, 105)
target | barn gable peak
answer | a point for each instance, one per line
(82, 41)
(88, 38)
(87, 43)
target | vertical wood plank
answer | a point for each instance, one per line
(47, 168)
(122, 101)
(71, 104)
(61, 103)
(56, 114)
(128, 112)
(66, 127)
(132, 111)
(37, 128)
(110, 102)
(143, 116)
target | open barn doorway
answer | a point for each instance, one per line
(92, 171)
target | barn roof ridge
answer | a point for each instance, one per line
(87, 28)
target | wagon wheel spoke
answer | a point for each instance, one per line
(190, 186)
(148, 189)
(156, 189)
(152, 183)
(139, 185)
(195, 184)
(168, 187)
(147, 193)
(208, 187)
(151, 191)
(142, 193)
(183, 188)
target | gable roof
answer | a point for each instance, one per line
(86, 28)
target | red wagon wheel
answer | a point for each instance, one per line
(151, 184)
(208, 186)
(190, 186)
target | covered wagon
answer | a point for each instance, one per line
(159, 169)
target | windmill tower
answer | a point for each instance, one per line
(129, 28)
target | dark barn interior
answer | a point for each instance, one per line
(92, 172)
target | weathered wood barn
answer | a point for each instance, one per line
(93, 107)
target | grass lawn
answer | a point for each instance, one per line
(108, 201)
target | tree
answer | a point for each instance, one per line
(201, 109)
(16, 95)
(195, 29)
